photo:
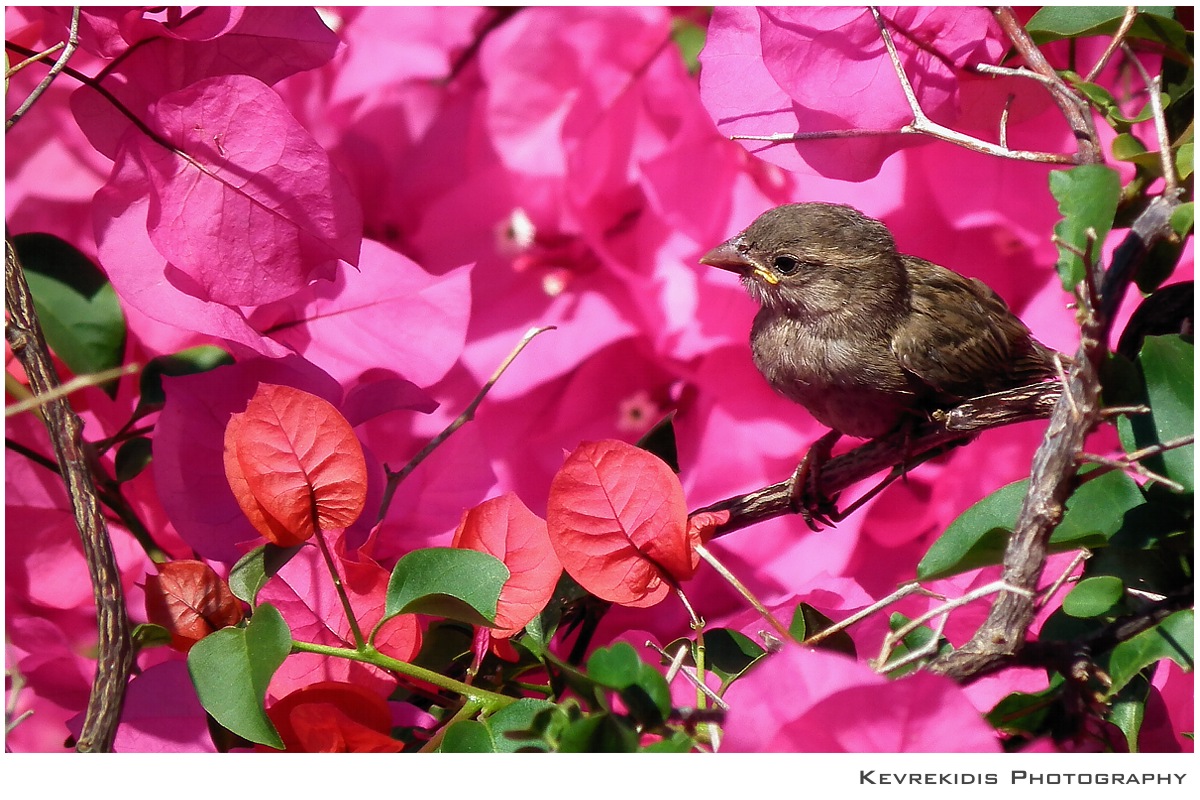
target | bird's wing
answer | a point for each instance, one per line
(961, 338)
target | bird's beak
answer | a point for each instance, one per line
(731, 256)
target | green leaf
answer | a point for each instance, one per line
(1096, 511)
(1108, 105)
(1128, 709)
(598, 733)
(807, 621)
(977, 538)
(231, 669)
(1155, 23)
(1127, 147)
(1020, 713)
(643, 688)
(132, 457)
(689, 38)
(1184, 164)
(186, 362)
(1168, 368)
(77, 306)
(660, 440)
(1057, 22)
(447, 582)
(147, 634)
(1183, 218)
(729, 653)
(1172, 638)
(512, 727)
(1093, 597)
(252, 571)
(615, 667)
(466, 736)
(1087, 199)
(677, 742)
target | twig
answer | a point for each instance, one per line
(919, 653)
(1117, 41)
(924, 126)
(1080, 557)
(59, 65)
(49, 51)
(115, 650)
(1132, 462)
(892, 639)
(359, 642)
(73, 385)
(742, 589)
(1072, 106)
(395, 478)
(904, 591)
(1008, 101)
(1154, 88)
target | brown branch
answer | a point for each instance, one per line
(927, 440)
(1116, 42)
(1053, 478)
(1076, 111)
(59, 65)
(1074, 107)
(1077, 657)
(115, 659)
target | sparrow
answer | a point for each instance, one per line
(868, 339)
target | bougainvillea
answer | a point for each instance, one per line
(440, 437)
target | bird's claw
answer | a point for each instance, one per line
(804, 494)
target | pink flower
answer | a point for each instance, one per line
(802, 700)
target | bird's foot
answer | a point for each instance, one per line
(804, 492)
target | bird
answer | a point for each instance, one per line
(867, 339)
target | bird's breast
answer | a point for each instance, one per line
(847, 379)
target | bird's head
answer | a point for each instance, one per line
(805, 258)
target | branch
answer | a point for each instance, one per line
(394, 478)
(1117, 41)
(1053, 477)
(1073, 107)
(115, 656)
(59, 66)
(929, 439)
(1076, 657)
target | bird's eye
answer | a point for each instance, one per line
(786, 265)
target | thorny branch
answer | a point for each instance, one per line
(115, 660)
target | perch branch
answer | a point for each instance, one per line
(931, 438)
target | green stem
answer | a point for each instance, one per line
(490, 701)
